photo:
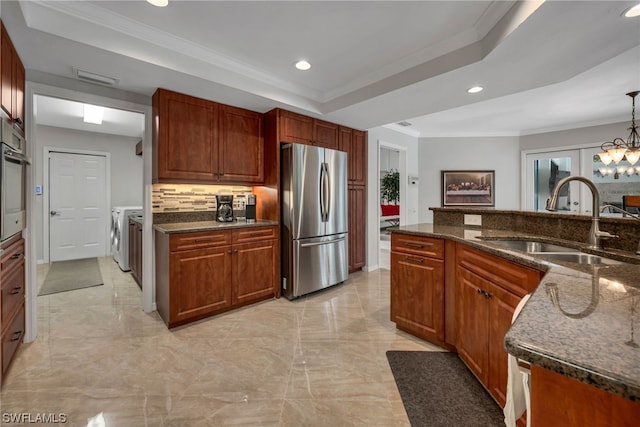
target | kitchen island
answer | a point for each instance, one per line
(578, 326)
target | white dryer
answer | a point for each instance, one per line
(120, 233)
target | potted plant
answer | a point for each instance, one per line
(390, 192)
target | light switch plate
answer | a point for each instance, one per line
(472, 219)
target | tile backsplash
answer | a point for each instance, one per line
(191, 197)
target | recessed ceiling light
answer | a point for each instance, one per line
(633, 11)
(475, 89)
(93, 114)
(159, 3)
(303, 65)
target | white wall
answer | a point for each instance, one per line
(126, 167)
(409, 201)
(501, 154)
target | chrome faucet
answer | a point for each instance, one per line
(595, 235)
(624, 214)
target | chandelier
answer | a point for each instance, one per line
(618, 149)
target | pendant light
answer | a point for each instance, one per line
(618, 149)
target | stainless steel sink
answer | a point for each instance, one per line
(530, 246)
(578, 258)
(551, 252)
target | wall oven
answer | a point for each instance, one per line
(12, 182)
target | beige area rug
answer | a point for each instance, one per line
(70, 275)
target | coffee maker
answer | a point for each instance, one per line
(224, 208)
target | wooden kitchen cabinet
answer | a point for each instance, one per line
(12, 81)
(559, 401)
(301, 129)
(357, 204)
(417, 286)
(487, 290)
(196, 140)
(354, 142)
(12, 301)
(200, 274)
(241, 145)
(135, 251)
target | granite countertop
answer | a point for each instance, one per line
(185, 227)
(588, 333)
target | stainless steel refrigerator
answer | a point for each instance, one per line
(314, 218)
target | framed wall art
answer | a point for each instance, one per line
(468, 188)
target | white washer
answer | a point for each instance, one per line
(120, 234)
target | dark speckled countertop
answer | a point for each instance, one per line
(185, 227)
(592, 332)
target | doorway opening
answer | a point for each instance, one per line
(111, 152)
(392, 181)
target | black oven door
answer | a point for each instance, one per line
(12, 198)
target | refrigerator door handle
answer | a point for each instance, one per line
(306, 245)
(328, 196)
(324, 192)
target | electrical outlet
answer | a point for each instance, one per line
(472, 219)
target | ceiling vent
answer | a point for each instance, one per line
(405, 124)
(94, 78)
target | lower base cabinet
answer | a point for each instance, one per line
(12, 302)
(417, 286)
(488, 289)
(200, 274)
(135, 251)
(559, 401)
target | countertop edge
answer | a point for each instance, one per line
(189, 227)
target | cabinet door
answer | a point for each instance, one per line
(200, 282)
(326, 135)
(502, 304)
(254, 271)
(186, 148)
(359, 157)
(295, 128)
(472, 322)
(241, 145)
(17, 91)
(357, 227)
(6, 71)
(417, 295)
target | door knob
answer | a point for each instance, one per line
(53, 213)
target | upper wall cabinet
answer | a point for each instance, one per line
(307, 130)
(241, 145)
(12, 81)
(203, 141)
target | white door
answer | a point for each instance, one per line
(543, 171)
(77, 206)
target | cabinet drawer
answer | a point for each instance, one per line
(244, 235)
(418, 245)
(13, 255)
(513, 277)
(205, 239)
(12, 292)
(11, 338)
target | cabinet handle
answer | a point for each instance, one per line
(480, 291)
(235, 251)
(414, 245)
(229, 251)
(16, 336)
(488, 295)
(413, 259)
(16, 290)
(16, 256)
(18, 120)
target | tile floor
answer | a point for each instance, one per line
(317, 361)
